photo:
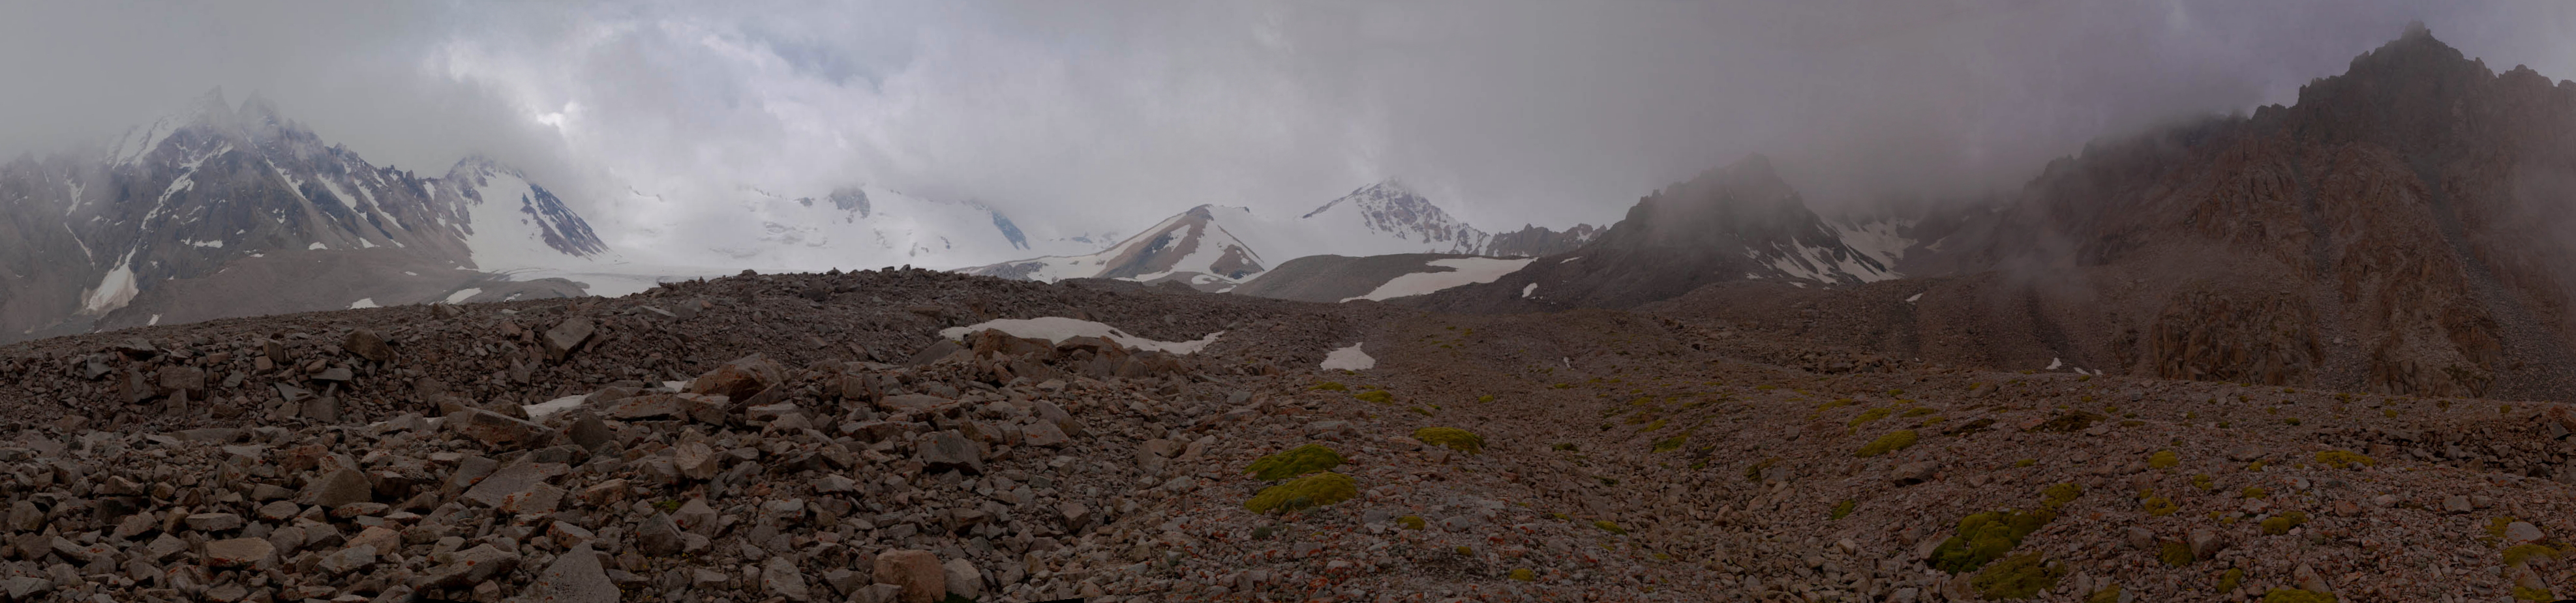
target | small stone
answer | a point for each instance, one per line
(658, 536)
(164, 547)
(834, 483)
(917, 572)
(2142, 539)
(2245, 453)
(567, 336)
(2522, 532)
(518, 488)
(843, 581)
(473, 566)
(499, 431)
(366, 344)
(739, 380)
(2456, 504)
(25, 588)
(963, 579)
(1912, 473)
(339, 487)
(279, 511)
(2205, 544)
(910, 402)
(214, 522)
(951, 450)
(1043, 433)
(696, 516)
(348, 560)
(574, 577)
(238, 552)
(780, 577)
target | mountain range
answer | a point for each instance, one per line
(1216, 247)
(222, 211)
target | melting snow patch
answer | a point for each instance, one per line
(363, 303)
(156, 319)
(214, 244)
(1917, 297)
(114, 290)
(1057, 329)
(1532, 288)
(316, 245)
(410, 273)
(1467, 271)
(1349, 359)
(2053, 363)
(538, 411)
(459, 296)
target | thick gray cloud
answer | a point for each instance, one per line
(1089, 116)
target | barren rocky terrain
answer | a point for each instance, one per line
(813, 438)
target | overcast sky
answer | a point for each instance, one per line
(1096, 115)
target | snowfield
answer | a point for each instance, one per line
(1467, 271)
(1056, 329)
(1348, 359)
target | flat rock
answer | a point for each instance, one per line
(567, 336)
(238, 552)
(951, 450)
(214, 522)
(779, 576)
(917, 572)
(500, 431)
(574, 577)
(339, 487)
(910, 402)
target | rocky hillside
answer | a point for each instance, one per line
(2400, 229)
(814, 438)
(213, 198)
(1729, 224)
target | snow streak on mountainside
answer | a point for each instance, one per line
(1378, 219)
(1199, 246)
(851, 227)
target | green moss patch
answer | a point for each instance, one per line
(2174, 553)
(1524, 575)
(2281, 524)
(1843, 509)
(2230, 579)
(1454, 438)
(1294, 462)
(1893, 441)
(2292, 595)
(1985, 537)
(1332, 386)
(1375, 395)
(2107, 595)
(1411, 522)
(2340, 459)
(2524, 553)
(2017, 577)
(2158, 506)
(1613, 528)
(1870, 415)
(1304, 493)
(2163, 459)
(1670, 444)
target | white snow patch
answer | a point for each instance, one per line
(1532, 288)
(538, 411)
(363, 303)
(1468, 271)
(1058, 328)
(410, 273)
(214, 244)
(316, 245)
(460, 295)
(114, 290)
(2053, 363)
(365, 244)
(1915, 298)
(1348, 359)
(156, 319)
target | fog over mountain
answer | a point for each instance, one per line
(1097, 117)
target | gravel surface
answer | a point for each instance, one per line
(810, 438)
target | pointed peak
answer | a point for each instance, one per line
(1391, 185)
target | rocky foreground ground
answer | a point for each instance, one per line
(813, 438)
